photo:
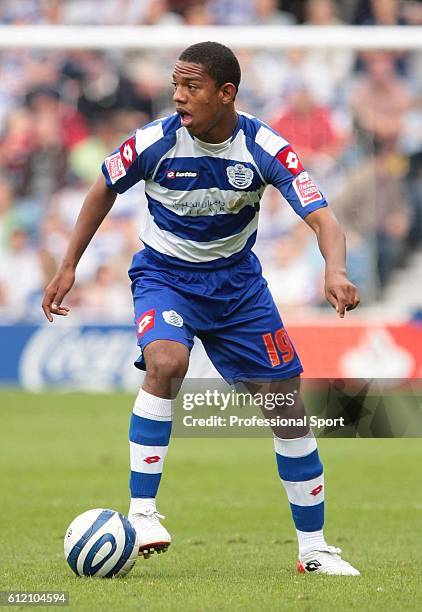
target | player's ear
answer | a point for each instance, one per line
(228, 93)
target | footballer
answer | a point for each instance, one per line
(205, 169)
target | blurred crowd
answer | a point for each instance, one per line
(354, 118)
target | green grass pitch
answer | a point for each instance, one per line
(234, 546)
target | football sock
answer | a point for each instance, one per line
(149, 435)
(138, 504)
(301, 473)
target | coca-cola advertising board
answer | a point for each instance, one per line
(100, 357)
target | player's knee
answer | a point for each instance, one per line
(168, 364)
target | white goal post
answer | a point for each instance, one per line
(238, 37)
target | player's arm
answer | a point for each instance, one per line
(339, 291)
(283, 169)
(97, 204)
(120, 171)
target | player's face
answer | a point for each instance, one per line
(201, 105)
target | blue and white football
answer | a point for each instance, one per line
(101, 543)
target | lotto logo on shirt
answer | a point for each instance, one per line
(306, 190)
(128, 152)
(173, 174)
(145, 322)
(290, 160)
(115, 167)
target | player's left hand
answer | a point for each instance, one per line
(341, 293)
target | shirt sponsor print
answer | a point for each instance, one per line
(289, 159)
(306, 190)
(115, 167)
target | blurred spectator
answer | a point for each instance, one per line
(106, 297)
(412, 12)
(198, 14)
(267, 12)
(16, 145)
(257, 92)
(385, 12)
(309, 127)
(45, 102)
(86, 158)
(103, 89)
(99, 86)
(52, 11)
(233, 12)
(325, 73)
(414, 190)
(379, 102)
(7, 212)
(107, 244)
(295, 276)
(21, 274)
(374, 201)
(86, 12)
(295, 8)
(292, 264)
(276, 219)
(336, 63)
(158, 12)
(54, 234)
(321, 13)
(20, 13)
(45, 170)
(150, 80)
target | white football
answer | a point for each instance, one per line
(101, 543)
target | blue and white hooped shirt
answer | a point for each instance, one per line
(203, 199)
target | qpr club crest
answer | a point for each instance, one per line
(239, 176)
(172, 318)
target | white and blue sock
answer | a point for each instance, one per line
(302, 475)
(149, 436)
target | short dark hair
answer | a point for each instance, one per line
(218, 60)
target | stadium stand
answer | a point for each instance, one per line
(354, 118)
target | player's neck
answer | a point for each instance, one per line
(222, 131)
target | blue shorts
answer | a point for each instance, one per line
(230, 310)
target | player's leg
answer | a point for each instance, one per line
(251, 344)
(301, 473)
(165, 339)
(149, 435)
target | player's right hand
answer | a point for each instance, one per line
(55, 292)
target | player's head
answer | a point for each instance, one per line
(206, 79)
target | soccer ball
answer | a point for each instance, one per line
(101, 543)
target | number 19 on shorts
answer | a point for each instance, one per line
(279, 347)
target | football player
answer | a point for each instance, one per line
(205, 169)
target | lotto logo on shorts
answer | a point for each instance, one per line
(115, 167)
(290, 161)
(145, 322)
(306, 190)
